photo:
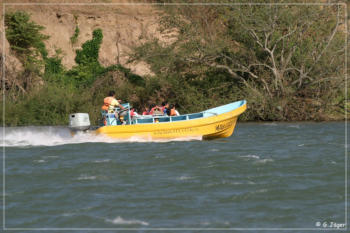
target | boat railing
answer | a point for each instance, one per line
(149, 119)
(110, 118)
(213, 113)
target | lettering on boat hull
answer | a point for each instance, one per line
(223, 126)
(175, 131)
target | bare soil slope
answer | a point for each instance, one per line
(123, 26)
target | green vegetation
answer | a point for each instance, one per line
(88, 67)
(286, 61)
(26, 40)
(74, 38)
(79, 89)
(23, 34)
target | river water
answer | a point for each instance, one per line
(267, 175)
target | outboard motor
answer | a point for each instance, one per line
(79, 121)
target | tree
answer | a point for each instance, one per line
(277, 54)
(22, 34)
(26, 40)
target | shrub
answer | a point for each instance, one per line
(23, 34)
(89, 52)
(74, 38)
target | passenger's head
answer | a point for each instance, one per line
(165, 104)
(172, 106)
(111, 93)
(152, 106)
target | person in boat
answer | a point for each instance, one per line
(156, 110)
(133, 113)
(165, 107)
(151, 109)
(110, 103)
(172, 111)
(145, 111)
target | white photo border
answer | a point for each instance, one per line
(173, 4)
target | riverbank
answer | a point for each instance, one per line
(197, 57)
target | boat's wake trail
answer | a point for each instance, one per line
(53, 136)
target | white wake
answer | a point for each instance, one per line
(54, 136)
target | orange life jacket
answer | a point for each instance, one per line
(106, 102)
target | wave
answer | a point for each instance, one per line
(294, 126)
(263, 161)
(257, 159)
(102, 161)
(40, 161)
(270, 124)
(184, 177)
(120, 220)
(229, 182)
(250, 156)
(85, 177)
(55, 136)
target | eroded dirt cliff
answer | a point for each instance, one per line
(123, 26)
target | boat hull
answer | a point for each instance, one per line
(216, 126)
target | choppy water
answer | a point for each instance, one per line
(267, 175)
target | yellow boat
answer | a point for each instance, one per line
(213, 123)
